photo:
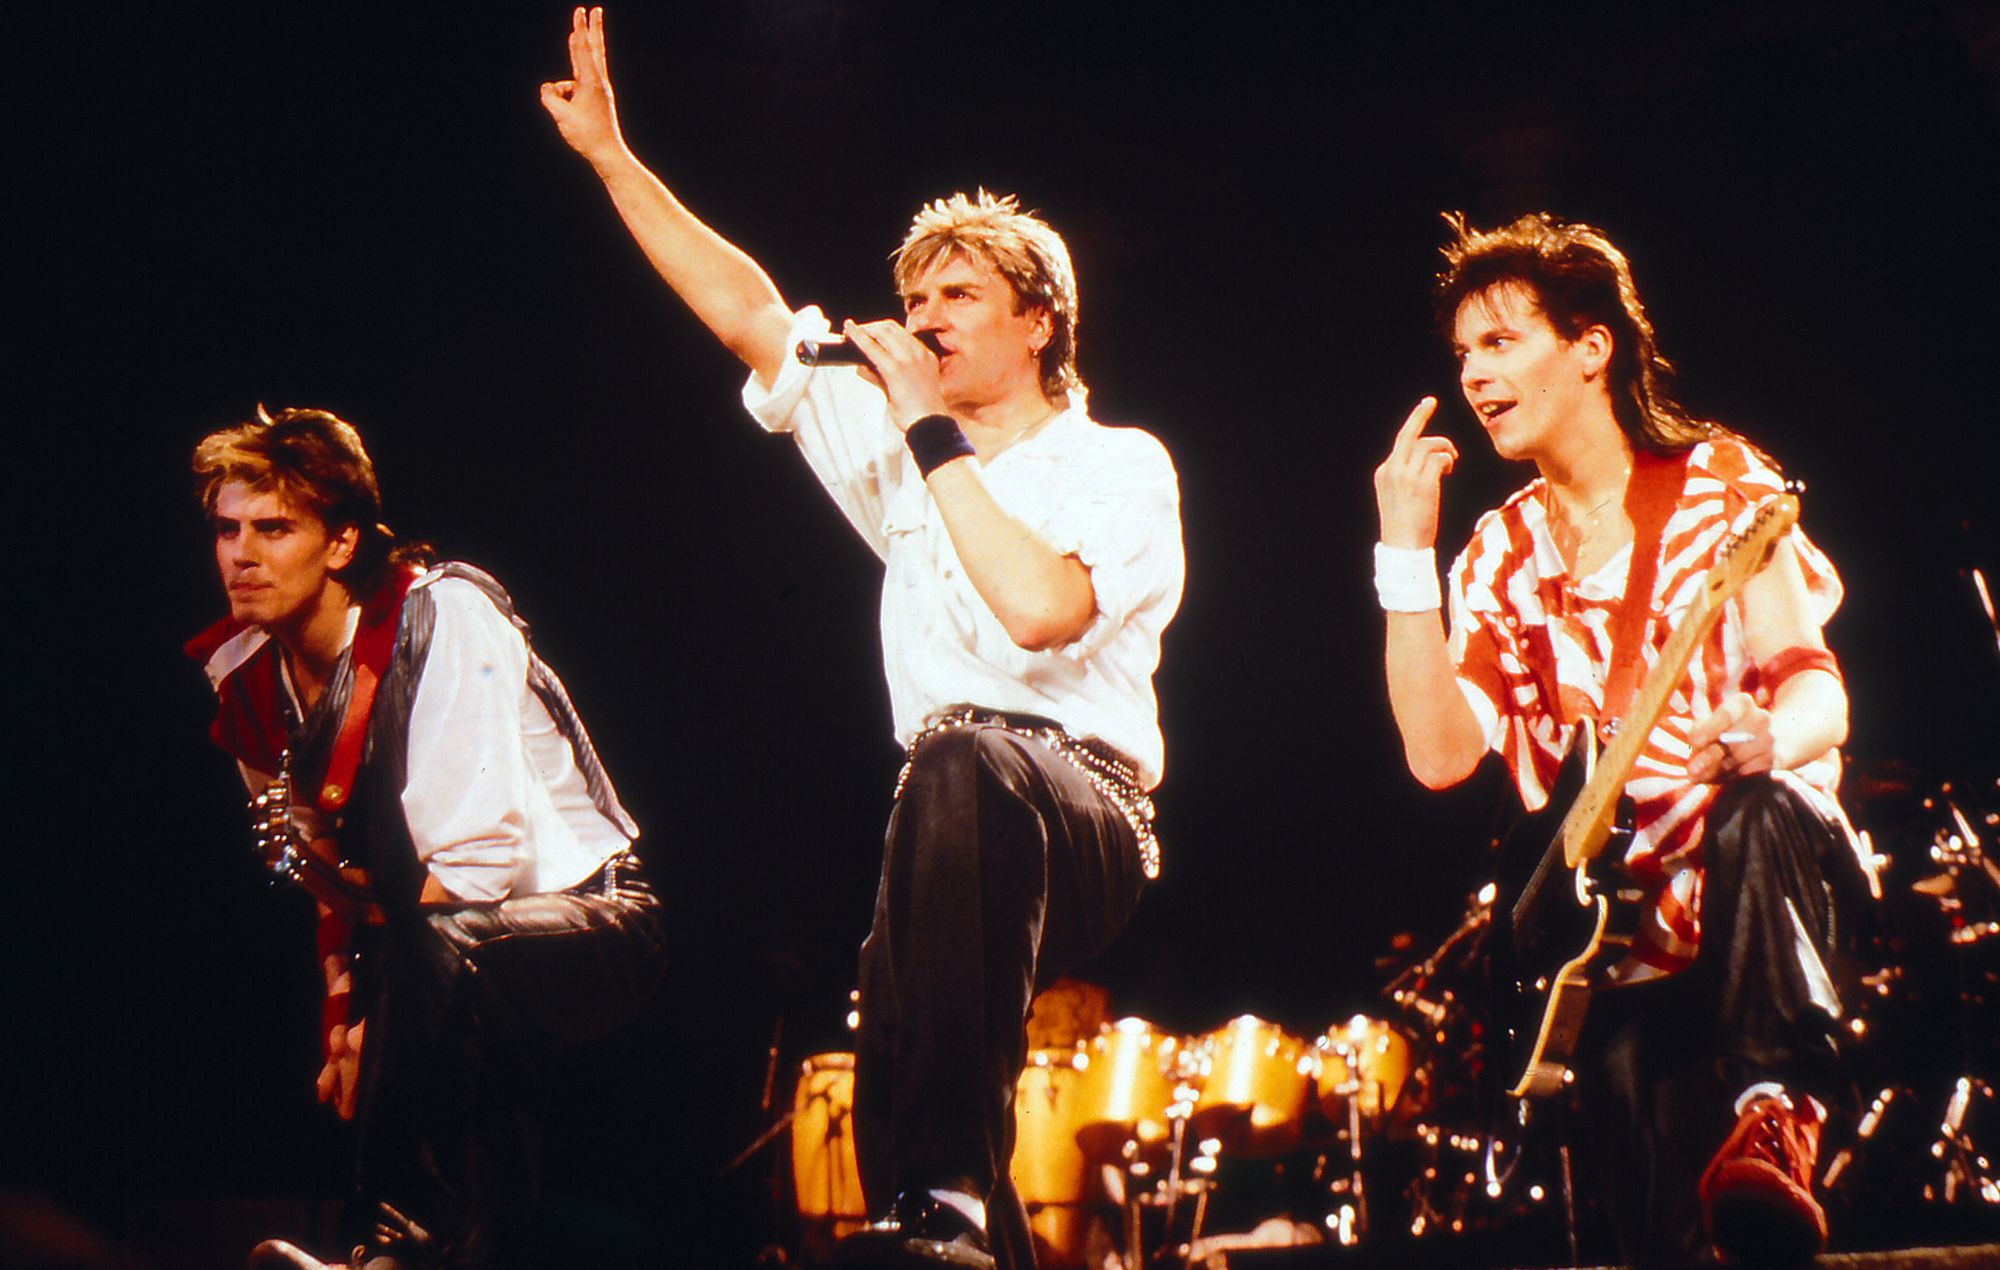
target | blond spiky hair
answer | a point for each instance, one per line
(1021, 248)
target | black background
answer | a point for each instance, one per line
(363, 207)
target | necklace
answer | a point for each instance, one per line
(1014, 439)
(1569, 532)
(1581, 522)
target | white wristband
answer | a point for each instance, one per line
(1406, 579)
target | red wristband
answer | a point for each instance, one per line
(332, 1014)
(1796, 660)
(332, 937)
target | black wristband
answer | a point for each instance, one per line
(934, 441)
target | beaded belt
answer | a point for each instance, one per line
(1110, 773)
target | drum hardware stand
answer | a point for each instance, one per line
(1406, 990)
(758, 1143)
(1438, 1141)
(1497, 1178)
(784, 1122)
(1964, 1167)
(1569, 1204)
(1957, 849)
(1864, 1131)
(1185, 1177)
(1348, 1222)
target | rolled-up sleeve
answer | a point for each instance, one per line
(469, 783)
(841, 423)
(1476, 656)
(1124, 525)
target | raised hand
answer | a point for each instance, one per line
(906, 370)
(584, 110)
(1407, 484)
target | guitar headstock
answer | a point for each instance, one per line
(1748, 551)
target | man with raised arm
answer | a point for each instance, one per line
(421, 772)
(1032, 559)
(1559, 604)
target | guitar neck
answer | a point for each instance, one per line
(1588, 825)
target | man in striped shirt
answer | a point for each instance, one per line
(1735, 822)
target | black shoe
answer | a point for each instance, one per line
(921, 1233)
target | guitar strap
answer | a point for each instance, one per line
(374, 641)
(1650, 496)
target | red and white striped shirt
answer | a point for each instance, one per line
(1533, 650)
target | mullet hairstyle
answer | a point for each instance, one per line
(1021, 248)
(315, 459)
(1578, 280)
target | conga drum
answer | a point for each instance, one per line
(1130, 1070)
(826, 1180)
(1364, 1059)
(1255, 1080)
(1050, 1172)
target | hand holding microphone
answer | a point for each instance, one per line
(906, 366)
(835, 351)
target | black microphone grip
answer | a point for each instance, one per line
(834, 351)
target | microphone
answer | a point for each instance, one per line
(834, 351)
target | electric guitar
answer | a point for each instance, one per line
(1573, 917)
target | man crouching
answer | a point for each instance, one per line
(422, 773)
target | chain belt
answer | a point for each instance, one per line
(1110, 773)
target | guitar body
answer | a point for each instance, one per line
(1564, 916)
(1557, 934)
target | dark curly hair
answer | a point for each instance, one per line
(1578, 280)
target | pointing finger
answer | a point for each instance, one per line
(1413, 426)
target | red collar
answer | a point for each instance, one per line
(242, 665)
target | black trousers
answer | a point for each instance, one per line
(1661, 1063)
(1003, 868)
(465, 1010)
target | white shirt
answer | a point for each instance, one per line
(493, 799)
(1107, 496)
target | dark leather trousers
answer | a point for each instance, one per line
(1661, 1063)
(1002, 869)
(465, 1009)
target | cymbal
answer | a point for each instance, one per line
(1937, 885)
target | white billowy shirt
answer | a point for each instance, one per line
(493, 799)
(1107, 496)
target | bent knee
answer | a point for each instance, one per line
(1759, 814)
(1751, 805)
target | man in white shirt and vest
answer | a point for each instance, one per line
(1032, 559)
(421, 772)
